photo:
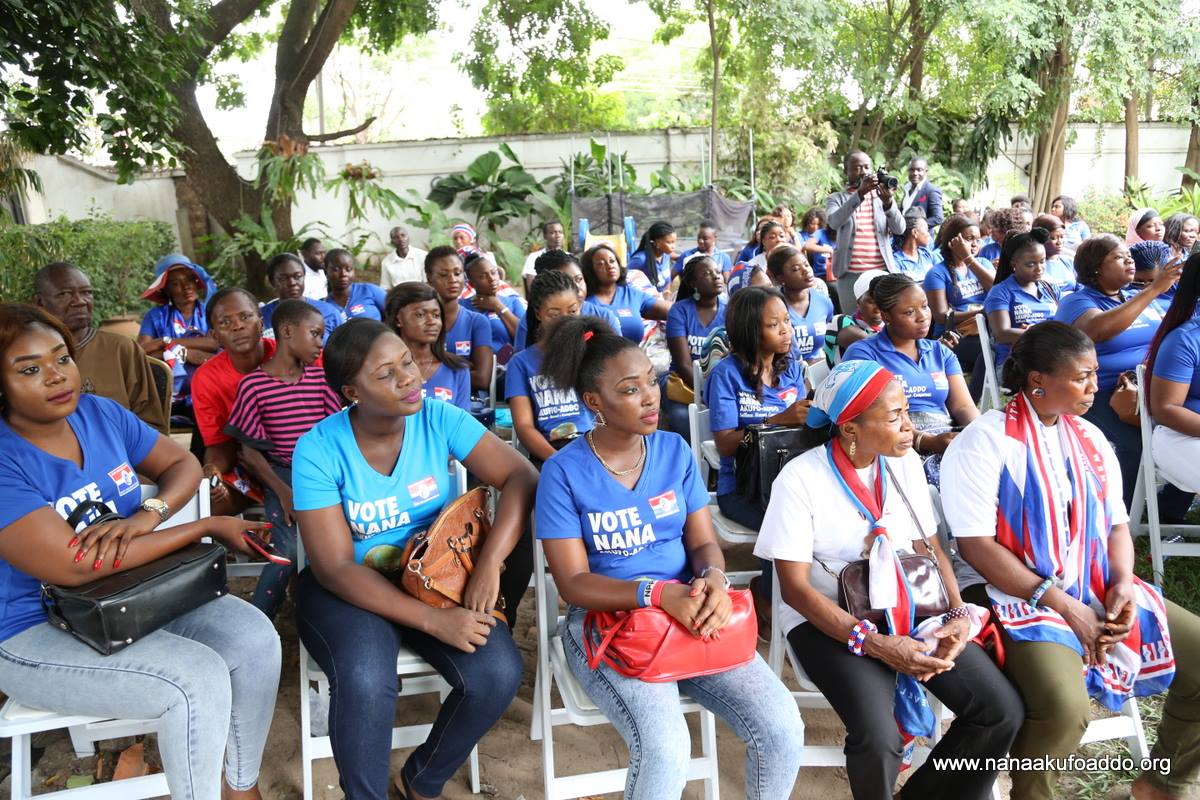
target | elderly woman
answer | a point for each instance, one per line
(1033, 495)
(863, 494)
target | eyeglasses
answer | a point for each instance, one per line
(245, 318)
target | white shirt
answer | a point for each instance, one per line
(529, 259)
(811, 517)
(394, 269)
(973, 462)
(315, 285)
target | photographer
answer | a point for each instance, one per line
(865, 217)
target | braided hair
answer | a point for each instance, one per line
(544, 286)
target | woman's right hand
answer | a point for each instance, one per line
(228, 531)
(1088, 627)
(683, 604)
(1166, 277)
(959, 249)
(906, 654)
(461, 628)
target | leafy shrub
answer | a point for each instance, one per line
(118, 257)
(1105, 213)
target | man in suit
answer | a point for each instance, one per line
(920, 193)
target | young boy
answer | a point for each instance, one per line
(275, 405)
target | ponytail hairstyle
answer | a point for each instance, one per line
(1042, 348)
(405, 294)
(687, 277)
(779, 258)
(589, 272)
(1091, 254)
(656, 231)
(545, 285)
(743, 324)
(576, 350)
(1014, 243)
(1183, 306)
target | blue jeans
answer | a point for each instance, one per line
(272, 583)
(357, 650)
(209, 678)
(750, 698)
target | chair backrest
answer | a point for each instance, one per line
(698, 381)
(492, 399)
(817, 373)
(991, 380)
(164, 383)
(700, 429)
(197, 507)
(1146, 426)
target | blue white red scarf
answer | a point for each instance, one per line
(1030, 526)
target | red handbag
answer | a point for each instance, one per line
(651, 645)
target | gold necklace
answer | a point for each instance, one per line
(620, 473)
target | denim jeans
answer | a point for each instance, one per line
(272, 583)
(209, 678)
(750, 698)
(357, 650)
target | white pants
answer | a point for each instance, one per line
(1177, 457)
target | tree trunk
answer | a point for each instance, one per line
(916, 70)
(1046, 168)
(715, 45)
(1192, 161)
(1131, 138)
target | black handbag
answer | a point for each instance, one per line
(762, 454)
(114, 612)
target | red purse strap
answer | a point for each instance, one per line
(593, 620)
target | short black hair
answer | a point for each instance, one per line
(41, 279)
(546, 225)
(309, 242)
(219, 296)
(336, 253)
(1042, 348)
(293, 312)
(347, 349)
(553, 259)
(1091, 254)
(403, 294)
(279, 260)
(437, 254)
(779, 258)
(707, 225)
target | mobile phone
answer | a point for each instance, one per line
(265, 548)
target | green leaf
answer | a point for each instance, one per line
(484, 167)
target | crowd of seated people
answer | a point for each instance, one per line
(328, 404)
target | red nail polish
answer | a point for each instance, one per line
(79, 556)
(267, 525)
(116, 564)
(97, 564)
(74, 541)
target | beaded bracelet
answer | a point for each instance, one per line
(858, 636)
(958, 612)
(1042, 588)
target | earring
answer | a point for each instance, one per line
(853, 447)
(600, 420)
(1038, 392)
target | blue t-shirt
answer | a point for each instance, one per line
(683, 320)
(818, 260)
(333, 316)
(557, 413)
(365, 300)
(383, 511)
(724, 263)
(167, 320)
(629, 304)
(640, 261)
(959, 294)
(1178, 361)
(916, 268)
(926, 380)
(740, 277)
(451, 385)
(1060, 271)
(1024, 309)
(471, 331)
(587, 308)
(809, 328)
(734, 404)
(749, 251)
(628, 533)
(500, 335)
(1125, 350)
(990, 251)
(113, 442)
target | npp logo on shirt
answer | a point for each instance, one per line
(664, 505)
(125, 478)
(423, 490)
(788, 395)
(443, 393)
(463, 348)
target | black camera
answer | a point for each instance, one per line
(890, 181)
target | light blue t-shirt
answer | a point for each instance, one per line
(383, 511)
(113, 442)
(818, 260)
(167, 320)
(628, 533)
(1178, 361)
(333, 316)
(1060, 271)
(587, 308)
(1124, 351)
(734, 404)
(365, 300)
(926, 380)
(916, 268)
(629, 303)
(557, 413)
(500, 336)
(808, 329)
(960, 293)
(991, 252)
(449, 385)
(640, 262)
(683, 320)
(470, 331)
(1024, 309)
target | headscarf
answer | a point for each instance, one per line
(464, 228)
(1135, 219)
(156, 292)
(846, 392)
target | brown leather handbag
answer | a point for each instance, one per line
(1124, 399)
(439, 561)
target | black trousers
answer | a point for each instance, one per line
(988, 713)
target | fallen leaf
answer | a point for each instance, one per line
(131, 764)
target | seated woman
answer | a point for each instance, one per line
(468, 334)
(286, 273)
(414, 313)
(1060, 262)
(606, 286)
(757, 382)
(1121, 323)
(698, 311)
(365, 481)
(654, 255)
(503, 313)
(355, 298)
(1180, 231)
(210, 676)
(846, 329)
(815, 241)
(861, 495)
(810, 310)
(665, 550)
(546, 417)
(937, 395)
(1033, 495)
(957, 287)
(1145, 225)
(1075, 229)
(912, 254)
(1021, 298)
(562, 261)
(1174, 390)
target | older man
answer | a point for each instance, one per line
(110, 365)
(405, 263)
(921, 193)
(865, 217)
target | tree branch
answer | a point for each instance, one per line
(329, 137)
(325, 34)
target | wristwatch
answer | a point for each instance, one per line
(706, 570)
(158, 507)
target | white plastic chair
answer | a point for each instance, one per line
(991, 380)
(578, 709)
(704, 451)
(698, 381)
(817, 373)
(1145, 496)
(21, 722)
(416, 677)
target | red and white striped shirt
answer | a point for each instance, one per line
(864, 252)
